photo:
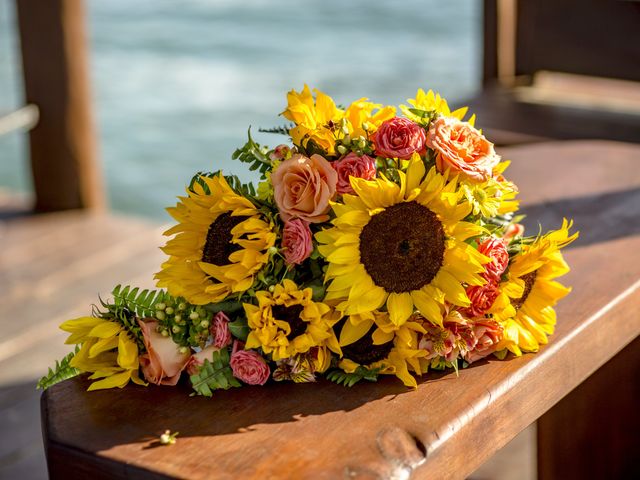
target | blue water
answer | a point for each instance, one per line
(176, 84)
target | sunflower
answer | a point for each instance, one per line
(318, 121)
(401, 246)
(107, 351)
(381, 347)
(525, 305)
(221, 242)
(288, 322)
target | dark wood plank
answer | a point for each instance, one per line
(63, 144)
(380, 430)
(594, 431)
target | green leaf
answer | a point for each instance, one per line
(239, 329)
(61, 371)
(350, 379)
(254, 155)
(282, 130)
(214, 374)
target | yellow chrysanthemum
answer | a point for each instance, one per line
(491, 197)
(433, 102)
(221, 242)
(401, 246)
(288, 322)
(316, 120)
(360, 113)
(528, 295)
(373, 341)
(107, 351)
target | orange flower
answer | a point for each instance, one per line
(461, 148)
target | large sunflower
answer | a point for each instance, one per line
(525, 306)
(288, 322)
(221, 242)
(401, 246)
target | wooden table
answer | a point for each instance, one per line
(448, 426)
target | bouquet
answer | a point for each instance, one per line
(377, 242)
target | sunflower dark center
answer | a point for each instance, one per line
(218, 246)
(529, 279)
(402, 247)
(365, 352)
(291, 315)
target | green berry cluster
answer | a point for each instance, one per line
(188, 325)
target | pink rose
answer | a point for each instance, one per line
(351, 165)
(296, 240)
(280, 152)
(163, 362)
(249, 367)
(399, 138)
(461, 148)
(482, 298)
(496, 249)
(303, 187)
(197, 359)
(489, 333)
(220, 331)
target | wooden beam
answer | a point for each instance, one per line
(63, 144)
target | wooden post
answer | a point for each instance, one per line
(63, 144)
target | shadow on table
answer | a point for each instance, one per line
(618, 215)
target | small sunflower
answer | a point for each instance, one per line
(221, 242)
(288, 322)
(107, 351)
(382, 346)
(401, 246)
(525, 306)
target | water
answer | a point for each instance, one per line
(176, 84)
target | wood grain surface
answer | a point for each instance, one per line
(445, 428)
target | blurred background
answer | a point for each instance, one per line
(176, 84)
(108, 107)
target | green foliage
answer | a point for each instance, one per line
(425, 117)
(129, 304)
(60, 372)
(239, 328)
(214, 375)
(282, 130)
(254, 155)
(141, 303)
(350, 379)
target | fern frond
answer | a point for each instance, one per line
(215, 374)
(281, 130)
(254, 155)
(61, 371)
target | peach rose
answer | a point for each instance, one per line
(399, 137)
(489, 333)
(296, 240)
(496, 249)
(461, 148)
(303, 187)
(248, 366)
(198, 358)
(163, 362)
(482, 298)
(220, 330)
(351, 165)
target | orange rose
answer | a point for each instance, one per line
(163, 362)
(303, 186)
(461, 148)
